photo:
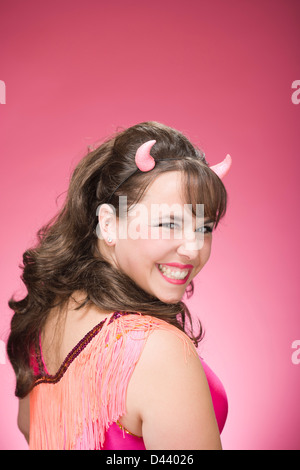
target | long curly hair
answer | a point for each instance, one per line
(65, 258)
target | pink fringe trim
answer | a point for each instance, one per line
(76, 411)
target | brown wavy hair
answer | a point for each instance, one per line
(66, 256)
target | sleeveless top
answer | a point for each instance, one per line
(79, 406)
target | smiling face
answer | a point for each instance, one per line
(160, 252)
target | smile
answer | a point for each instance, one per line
(174, 274)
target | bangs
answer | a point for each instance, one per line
(201, 185)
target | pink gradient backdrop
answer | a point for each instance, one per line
(220, 71)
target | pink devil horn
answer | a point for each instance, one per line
(221, 169)
(143, 159)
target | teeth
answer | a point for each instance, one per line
(173, 274)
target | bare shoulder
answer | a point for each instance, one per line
(169, 346)
(172, 395)
(170, 352)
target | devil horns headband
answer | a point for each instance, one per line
(145, 162)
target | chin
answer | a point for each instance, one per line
(171, 299)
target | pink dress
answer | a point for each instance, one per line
(79, 406)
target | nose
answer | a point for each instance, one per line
(190, 245)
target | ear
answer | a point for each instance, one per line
(107, 226)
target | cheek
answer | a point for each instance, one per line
(206, 250)
(137, 257)
(152, 251)
(203, 254)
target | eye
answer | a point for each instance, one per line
(168, 225)
(205, 229)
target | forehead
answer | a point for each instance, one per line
(166, 188)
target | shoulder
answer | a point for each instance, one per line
(167, 355)
(140, 322)
(169, 350)
(169, 342)
(171, 393)
(163, 346)
(162, 338)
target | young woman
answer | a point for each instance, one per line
(102, 346)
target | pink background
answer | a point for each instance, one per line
(221, 72)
